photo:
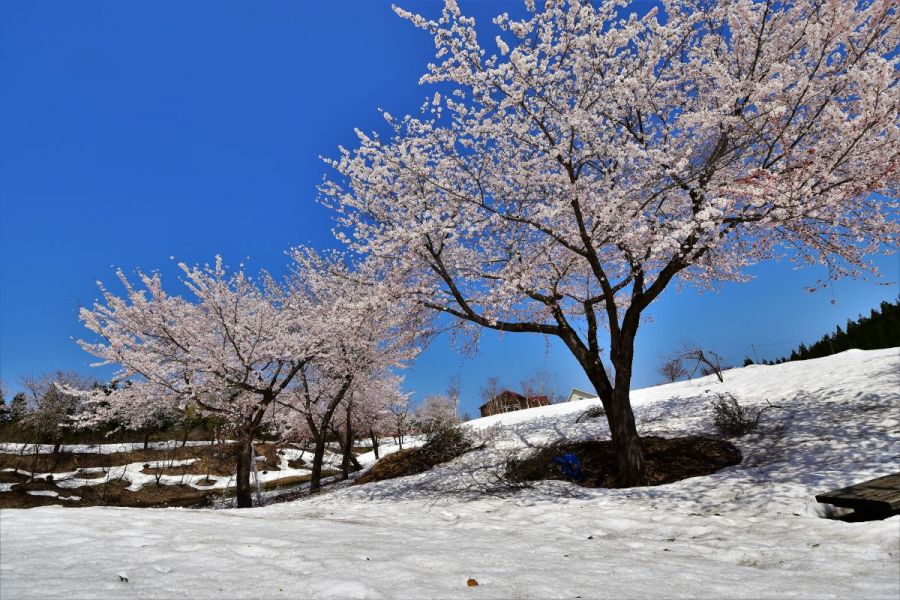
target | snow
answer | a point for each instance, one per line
(749, 531)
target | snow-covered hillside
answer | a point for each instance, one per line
(753, 530)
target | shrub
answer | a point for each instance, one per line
(732, 418)
(594, 412)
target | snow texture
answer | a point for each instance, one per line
(749, 531)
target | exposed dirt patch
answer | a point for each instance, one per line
(296, 463)
(113, 493)
(668, 460)
(71, 461)
(215, 459)
(443, 446)
(12, 477)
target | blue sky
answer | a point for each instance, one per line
(132, 132)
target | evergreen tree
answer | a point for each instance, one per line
(18, 408)
(880, 329)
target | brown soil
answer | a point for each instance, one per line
(442, 446)
(296, 463)
(107, 494)
(218, 459)
(399, 464)
(10, 477)
(668, 460)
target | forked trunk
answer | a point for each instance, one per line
(244, 467)
(632, 469)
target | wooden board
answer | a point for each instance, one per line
(882, 494)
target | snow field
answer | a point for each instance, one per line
(749, 531)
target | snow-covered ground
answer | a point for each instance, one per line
(749, 531)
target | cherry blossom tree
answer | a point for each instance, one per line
(369, 336)
(254, 353)
(400, 418)
(560, 184)
(231, 349)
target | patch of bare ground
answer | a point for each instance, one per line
(112, 493)
(13, 477)
(442, 446)
(215, 459)
(668, 460)
(296, 463)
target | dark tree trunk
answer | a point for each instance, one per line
(348, 451)
(244, 466)
(632, 469)
(374, 439)
(315, 478)
(187, 432)
(146, 440)
(56, 447)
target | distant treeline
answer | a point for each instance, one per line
(881, 329)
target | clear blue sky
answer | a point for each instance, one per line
(131, 132)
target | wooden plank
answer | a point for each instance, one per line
(881, 494)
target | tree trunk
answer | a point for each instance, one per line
(146, 440)
(315, 478)
(187, 432)
(34, 460)
(631, 467)
(348, 451)
(374, 439)
(244, 466)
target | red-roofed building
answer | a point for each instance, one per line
(508, 401)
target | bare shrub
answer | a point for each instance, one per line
(594, 412)
(673, 370)
(732, 418)
(445, 442)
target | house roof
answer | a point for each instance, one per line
(504, 394)
(577, 394)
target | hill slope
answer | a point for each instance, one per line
(753, 530)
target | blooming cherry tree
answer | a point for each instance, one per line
(369, 336)
(255, 353)
(232, 350)
(559, 184)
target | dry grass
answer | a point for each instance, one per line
(442, 446)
